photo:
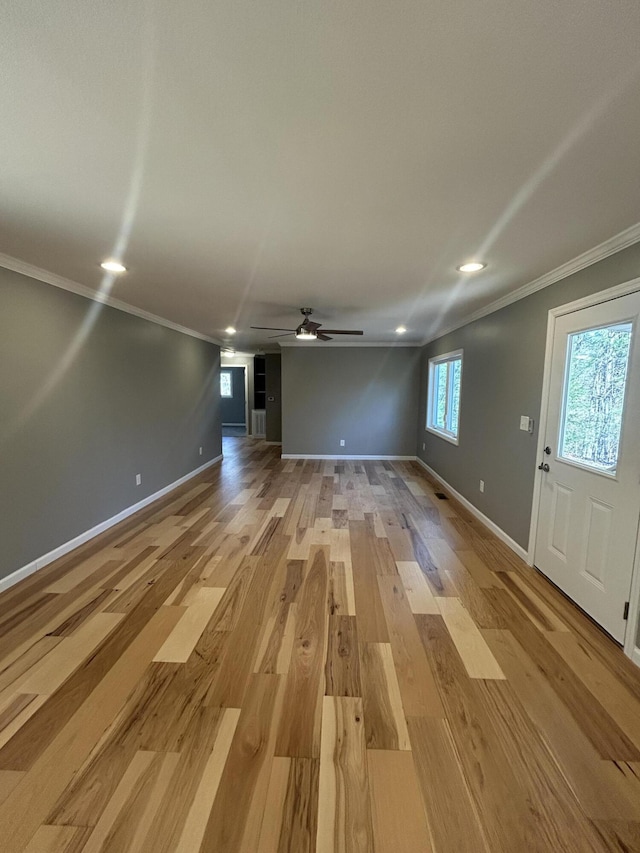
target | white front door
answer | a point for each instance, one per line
(590, 491)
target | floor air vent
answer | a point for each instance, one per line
(441, 496)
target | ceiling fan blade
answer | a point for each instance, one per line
(286, 335)
(342, 332)
(272, 329)
(310, 325)
(323, 337)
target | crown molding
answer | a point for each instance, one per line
(339, 344)
(620, 241)
(16, 265)
(614, 244)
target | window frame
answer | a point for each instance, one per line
(446, 358)
(230, 394)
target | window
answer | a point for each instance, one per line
(443, 404)
(225, 383)
(595, 383)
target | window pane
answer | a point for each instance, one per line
(594, 396)
(444, 394)
(456, 374)
(225, 384)
(440, 395)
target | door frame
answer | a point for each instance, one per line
(633, 286)
(247, 425)
(246, 391)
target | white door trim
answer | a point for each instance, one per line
(631, 647)
(246, 394)
(246, 398)
(619, 290)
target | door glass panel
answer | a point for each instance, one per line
(595, 381)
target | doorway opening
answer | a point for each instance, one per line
(233, 400)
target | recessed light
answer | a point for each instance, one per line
(230, 330)
(113, 266)
(401, 330)
(472, 266)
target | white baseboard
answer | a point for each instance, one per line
(493, 527)
(61, 550)
(345, 456)
(635, 656)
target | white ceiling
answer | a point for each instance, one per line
(250, 158)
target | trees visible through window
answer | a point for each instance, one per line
(443, 399)
(595, 382)
(225, 384)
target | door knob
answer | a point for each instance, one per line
(543, 467)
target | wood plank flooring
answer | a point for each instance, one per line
(286, 656)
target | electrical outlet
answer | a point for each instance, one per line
(138, 479)
(342, 442)
(482, 485)
(200, 451)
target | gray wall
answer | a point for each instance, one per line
(273, 407)
(233, 408)
(76, 425)
(365, 395)
(502, 379)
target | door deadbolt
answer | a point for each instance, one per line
(547, 450)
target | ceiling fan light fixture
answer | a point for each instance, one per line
(230, 330)
(304, 335)
(401, 330)
(471, 266)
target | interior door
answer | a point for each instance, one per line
(590, 490)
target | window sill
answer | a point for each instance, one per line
(450, 438)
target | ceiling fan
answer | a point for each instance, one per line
(308, 330)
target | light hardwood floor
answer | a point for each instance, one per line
(291, 656)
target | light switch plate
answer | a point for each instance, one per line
(525, 423)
